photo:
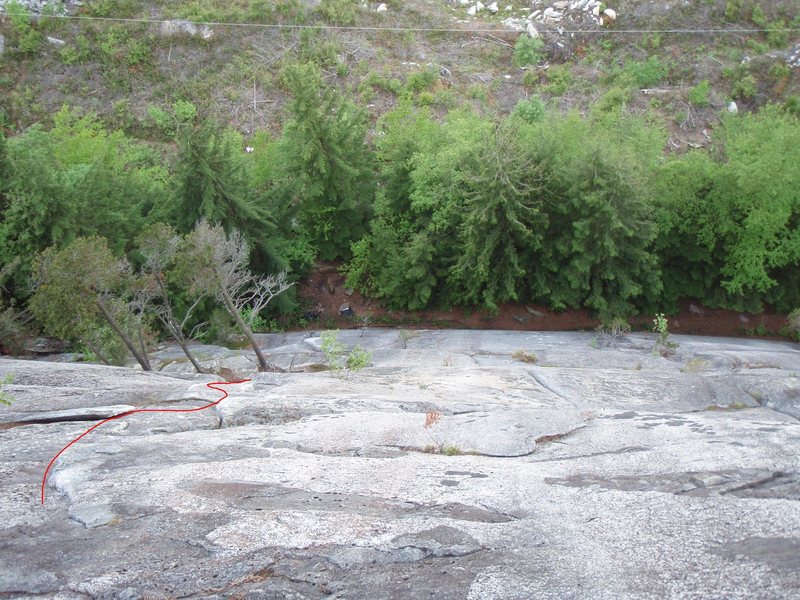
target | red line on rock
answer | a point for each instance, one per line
(142, 410)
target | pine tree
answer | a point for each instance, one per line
(326, 154)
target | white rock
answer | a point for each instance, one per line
(596, 10)
(509, 8)
(551, 13)
(561, 4)
(492, 8)
(55, 41)
(382, 8)
(464, 2)
(611, 14)
(472, 10)
(515, 24)
(534, 14)
(532, 31)
(732, 108)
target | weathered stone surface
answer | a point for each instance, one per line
(95, 515)
(591, 473)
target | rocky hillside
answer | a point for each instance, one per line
(479, 465)
(632, 51)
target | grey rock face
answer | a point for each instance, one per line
(447, 469)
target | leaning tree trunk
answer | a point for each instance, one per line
(173, 327)
(139, 356)
(248, 333)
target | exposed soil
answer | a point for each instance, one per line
(324, 293)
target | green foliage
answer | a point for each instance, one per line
(78, 52)
(645, 74)
(76, 180)
(81, 292)
(339, 12)
(698, 95)
(663, 345)
(528, 51)
(5, 397)
(422, 80)
(530, 110)
(559, 80)
(26, 39)
(743, 84)
(329, 163)
(341, 362)
(613, 101)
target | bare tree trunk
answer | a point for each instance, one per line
(140, 358)
(174, 328)
(248, 333)
(182, 343)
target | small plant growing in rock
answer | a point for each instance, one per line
(340, 362)
(524, 356)
(358, 359)
(406, 334)
(608, 332)
(5, 397)
(663, 345)
(451, 450)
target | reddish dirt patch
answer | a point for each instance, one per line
(324, 292)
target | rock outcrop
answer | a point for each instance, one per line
(454, 466)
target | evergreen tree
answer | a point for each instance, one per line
(327, 157)
(211, 183)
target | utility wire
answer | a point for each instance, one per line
(405, 29)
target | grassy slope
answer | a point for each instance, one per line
(119, 70)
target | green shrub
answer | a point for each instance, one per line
(530, 110)
(777, 36)
(79, 52)
(645, 74)
(698, 95)
(743, 84)
(559, 80)
(528, 51)
(422, 80)
(5, 397)
(339, 12)
(339, 361)
(26, 39)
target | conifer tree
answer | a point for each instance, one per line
(329, 160)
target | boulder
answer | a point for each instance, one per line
(184, 27)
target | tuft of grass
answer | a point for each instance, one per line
(695, 365)
(524, 356)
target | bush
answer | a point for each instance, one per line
(530, 110)
(645, 74)
(698, 95)
(527, 51)
(339, 12)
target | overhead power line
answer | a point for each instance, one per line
(559, 30)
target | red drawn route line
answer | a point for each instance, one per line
(211, 385)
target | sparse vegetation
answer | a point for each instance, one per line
(5, 397)
(524, 356)
(339, 360)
